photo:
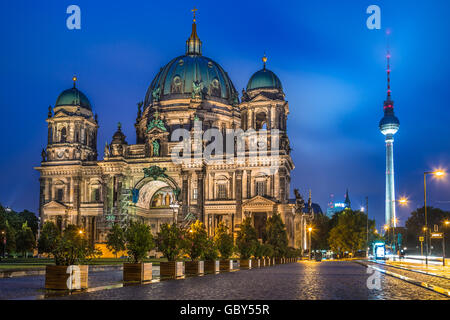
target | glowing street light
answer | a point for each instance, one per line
(309, 230)
(437, 173)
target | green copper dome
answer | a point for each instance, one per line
(264, 78)
(192, 76)
(73, 97)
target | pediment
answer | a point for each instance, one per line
(259, 201)
(157, 131)
(54, 205)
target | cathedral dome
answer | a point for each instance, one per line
(191, 74)
(73, 97)
(264, 78)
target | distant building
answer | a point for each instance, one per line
(338, 206)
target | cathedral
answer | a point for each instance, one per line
(142, 181)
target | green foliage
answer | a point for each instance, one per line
(48, 238)
(170, 241)
(349, 234)
(31, 219)
(259, 251)
(210, 252)
(10, 238)
(139, 241)
(115, 240)
(276, 235)
(25, 240)
(224, 241)
(267, 250)
(247, 239)
(319, 237)
(72, 248)
(195, 241)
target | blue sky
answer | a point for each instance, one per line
(331, 66)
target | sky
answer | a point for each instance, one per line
(332, 67)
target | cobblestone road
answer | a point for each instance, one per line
(306, 280)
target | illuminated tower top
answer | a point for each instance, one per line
(389, 124)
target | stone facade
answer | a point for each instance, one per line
(142, 181)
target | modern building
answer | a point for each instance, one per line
(142, 180)
(389, 126)
(338, 206)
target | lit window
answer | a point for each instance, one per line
(195, 195)
(59, 194)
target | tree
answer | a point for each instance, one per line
(276, 235)
(139, 241)
(247, 239)
(349, 234)
(224, 241)
(210, 252)
(415, 223)
(115, 240)
(48, 238)
(31, 219)
(10, 238)
(319, 238)
(195, 240)
(25, 240)
(72, 248)
(170, 241)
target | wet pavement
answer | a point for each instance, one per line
(306, 280)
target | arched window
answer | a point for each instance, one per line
(63, 135)
(261, 120)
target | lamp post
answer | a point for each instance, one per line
(446, 223)
(309, 230)
(4, 243)
(437, 173)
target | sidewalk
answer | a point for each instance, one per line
(422, 267)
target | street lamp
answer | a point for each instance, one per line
(439, 174)
(309, 230)
(4, 243)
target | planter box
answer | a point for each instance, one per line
(194, 267)
(212, 266)
(226, 265)
(266, 262)
(258, 263)
(246, 264)
(137, 272)
(171, 269)
(278, 261)
(66, 277)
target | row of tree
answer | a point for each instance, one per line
(174, 243)
(17, 231)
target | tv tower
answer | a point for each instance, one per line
(389, 126)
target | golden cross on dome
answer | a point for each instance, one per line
(74, 79)
(193, 11)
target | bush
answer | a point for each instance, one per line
(195, 240)
(72, 248)
(139, 241)
(170, 241)
(268, 251)
(115, 240)
(246, 240)
(259, 251)
(224, 241)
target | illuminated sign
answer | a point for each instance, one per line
(339, 205)
(437, 235)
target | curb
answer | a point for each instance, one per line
(39, 271)
(445, 292)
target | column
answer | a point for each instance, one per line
(185, 192)
(200, 195)
(239, 194)
(249, 184)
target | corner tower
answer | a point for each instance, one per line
(389, 126)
